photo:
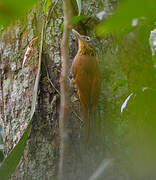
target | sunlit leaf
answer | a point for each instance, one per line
(119, 83)
(154, 61)
(79, 5)
(76, 19)
(10, 163)
(128, 10)
(46, 6)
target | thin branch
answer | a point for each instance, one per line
(51, 10)
(38, 75)
(1, 100)
(77, 115)
(64, 106)
(104, 164)
(54, 6)
(51, 81)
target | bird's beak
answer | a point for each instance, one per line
(76, 33)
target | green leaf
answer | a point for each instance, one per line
(1, 155)
(46, 6)
(118, 84)
(75, 20)
(128, 10)
(10, 163)
(79, 5)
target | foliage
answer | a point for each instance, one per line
(1, 155)
(10, 163)
(118, 84)
(46, 6)
(9, 9)
(75, 20)
(128, 10)
(121, 21)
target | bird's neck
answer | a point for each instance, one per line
(85, 49)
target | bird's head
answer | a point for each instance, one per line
(81, 37)
(85, 42)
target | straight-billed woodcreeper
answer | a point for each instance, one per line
(86, 74)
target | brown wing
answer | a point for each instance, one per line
(96, 84)
(86, 74)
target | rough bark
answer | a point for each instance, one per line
(41, 153)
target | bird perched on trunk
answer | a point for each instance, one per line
(86, 74)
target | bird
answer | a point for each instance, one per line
(86, 75)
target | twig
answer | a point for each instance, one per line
(38, 74)
(51, 81)
(77, 115)
(54, 6)
(51, 10)
(1, 100)
(104, 164)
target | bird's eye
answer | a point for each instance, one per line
(88, 38)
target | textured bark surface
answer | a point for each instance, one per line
(41, 153)
(16, 84)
